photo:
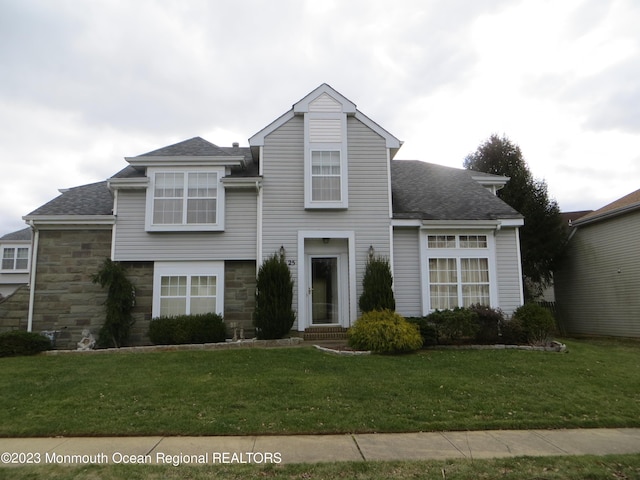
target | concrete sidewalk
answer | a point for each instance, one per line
(317, 448)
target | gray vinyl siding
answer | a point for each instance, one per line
(406, 271)
(237, 242)
(509, 281)
(283, 189)
(598, 286)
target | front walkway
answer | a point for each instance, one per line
(319, 448)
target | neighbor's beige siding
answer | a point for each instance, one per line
(598, 287)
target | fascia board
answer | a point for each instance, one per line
(257, 140)
(185, 161)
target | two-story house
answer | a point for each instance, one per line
(319, 185)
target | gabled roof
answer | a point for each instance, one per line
(17, 236)
(623, 205)
(426, 191)
(91, 199)
(348, 107)
(195, 146)
(195, 151)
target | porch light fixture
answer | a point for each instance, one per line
(282, 251)
(371, 252)
(325, 240)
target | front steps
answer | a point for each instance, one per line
(313, 334)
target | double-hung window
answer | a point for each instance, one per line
(185, 200)
(458, 270)
(184, 288)
(15, 259)
(326, 175)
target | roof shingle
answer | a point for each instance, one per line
(427, 191)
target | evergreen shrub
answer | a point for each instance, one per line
(273, 316)
(455, 325)
(428, 330)
(377, 291)
(185, 329)
(384, 331)
(490, 322)
(538, 323)
(121, 296)
(19, 342)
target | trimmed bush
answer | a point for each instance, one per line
(513, 332)
(538, 323)
(19, 342)
(184, 329)
(273, 316)
(455, 325)
(428, 330)
(377, 292)
(384, 331)
(490, 321)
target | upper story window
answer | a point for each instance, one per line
(15, 259)
(185, 200)
(326, 179)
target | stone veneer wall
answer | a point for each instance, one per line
(239, 295)
(141, 275)
(14, 310)
(66, 299)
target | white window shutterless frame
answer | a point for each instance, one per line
(183, 288)
(188, 199)
(458, 270)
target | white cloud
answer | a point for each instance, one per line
(85, 84)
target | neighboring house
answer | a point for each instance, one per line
(15, 255)
(319, 185)
(598, 287)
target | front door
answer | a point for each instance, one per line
(325, 290)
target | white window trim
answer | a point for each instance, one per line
(426, 253)
(15, 246)
(220, 204)
(309, 203)
(165, 269)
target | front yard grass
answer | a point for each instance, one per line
(302, 390)
(547, 468)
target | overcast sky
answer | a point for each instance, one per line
(85, 83)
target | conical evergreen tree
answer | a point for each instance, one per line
(273, 316)
(377, 292)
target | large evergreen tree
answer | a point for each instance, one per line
(543, 236)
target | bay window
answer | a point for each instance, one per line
(458, 270)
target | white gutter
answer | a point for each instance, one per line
(32, 276)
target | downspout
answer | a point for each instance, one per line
(259, 214)
(32, 275)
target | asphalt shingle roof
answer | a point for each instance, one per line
(24, 234)
(91, 199)
(426, 191)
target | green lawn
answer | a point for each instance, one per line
(302, 390)
(621, 467)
